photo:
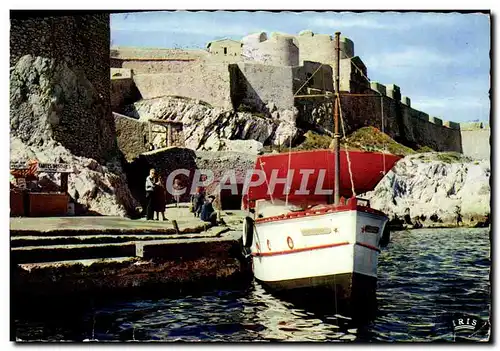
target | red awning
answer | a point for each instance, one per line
(313, 171)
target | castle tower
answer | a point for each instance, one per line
(321, 47)
(278, 50)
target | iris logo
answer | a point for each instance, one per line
(470, 328)
(465, 324)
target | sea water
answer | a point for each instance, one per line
(426, 277)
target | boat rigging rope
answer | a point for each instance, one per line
(290, 145)
(288, 186)
(267, 182)
(345, 147)
(308, 79)
(327, 112)
(383, 131)
(381, 106)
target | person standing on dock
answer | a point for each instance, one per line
(177, 187)
(160, 198)
(150, 189)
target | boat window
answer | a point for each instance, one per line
(363, 202)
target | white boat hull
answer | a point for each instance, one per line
(319, 249)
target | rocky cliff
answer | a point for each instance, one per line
(437, 185)
(56, 115)
(206, 127)
(50, 101)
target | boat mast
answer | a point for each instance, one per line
(336, 134)
(336, 110)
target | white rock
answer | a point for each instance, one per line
(284, 134)
(289, 116)
(213, 143)
(203, 125)
(426, 186)
(271, 106)
(244, 146)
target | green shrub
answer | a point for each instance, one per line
(372, 139)
(449, 157)
(314, 141)
(424, 149)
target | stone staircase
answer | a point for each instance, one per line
(38, 240)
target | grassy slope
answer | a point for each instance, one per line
(366, 138)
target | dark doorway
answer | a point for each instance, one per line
(230, 201)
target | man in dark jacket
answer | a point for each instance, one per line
(150, 188)
(208, 213)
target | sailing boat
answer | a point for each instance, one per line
(299, 235)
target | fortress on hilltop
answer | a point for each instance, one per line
(262, 73)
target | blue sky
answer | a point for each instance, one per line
(440, 60)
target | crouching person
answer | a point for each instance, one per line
(197, 201)
(208, 213)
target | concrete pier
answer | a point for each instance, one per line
(33, 254)
(57, 256)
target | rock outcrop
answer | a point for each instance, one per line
(57, 116)
(253, 147)
(49, 101)
(98, 189)
(437, 185)
(206, 127)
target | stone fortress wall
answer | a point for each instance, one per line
(270, 69)
(252, 86)
(321, 48)
(209, 82)
(226, 47)
(123, 89)
(402, 122)
(189, 73)
(476, 140)
(278, 50)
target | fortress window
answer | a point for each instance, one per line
(225, 51)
